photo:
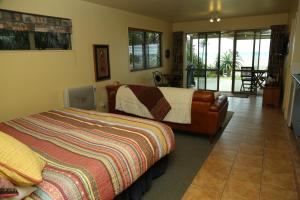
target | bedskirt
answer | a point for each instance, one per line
(143, 184)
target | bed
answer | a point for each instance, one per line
(91, 155)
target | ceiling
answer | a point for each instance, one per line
(190, 10)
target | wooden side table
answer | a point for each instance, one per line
(271, 96)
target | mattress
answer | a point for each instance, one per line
(90, 155)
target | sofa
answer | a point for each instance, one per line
(208, 112)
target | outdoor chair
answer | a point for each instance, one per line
(247, 79)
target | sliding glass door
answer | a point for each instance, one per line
(203, 52)
(218, 57)
(251, 52)
(226, 61)
(212, 61)
(244, 50)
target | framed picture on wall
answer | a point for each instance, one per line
(101, 60)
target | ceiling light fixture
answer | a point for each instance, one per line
(214, 18)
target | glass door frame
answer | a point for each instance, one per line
(217, 69)
(255, 31)
(205, 70)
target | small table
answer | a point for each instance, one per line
(259, 78)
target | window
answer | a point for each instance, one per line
(24, 40)
(13, 40)
(52, 40)
(144, 49)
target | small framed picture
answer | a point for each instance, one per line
(101, 60)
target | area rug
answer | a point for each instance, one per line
(184, 163)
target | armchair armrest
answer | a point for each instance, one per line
(218, 103)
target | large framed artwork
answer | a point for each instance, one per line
(101, 59)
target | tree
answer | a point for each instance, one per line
(226, 63)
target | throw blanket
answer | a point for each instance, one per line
(153, 100)
(180, 100)
(90, 155)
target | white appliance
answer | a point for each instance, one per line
(82, 97)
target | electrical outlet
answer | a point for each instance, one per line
(102, 105)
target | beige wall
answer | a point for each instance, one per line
(241, 23)
(33, 81)
(293, 59)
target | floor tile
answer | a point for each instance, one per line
(195, 192)
(251, 149)
(275, 154)
(277, 166)
(278, 144)
(243, 173)
(273, 193)
(284, 181)
(226, 154)
(256, 157)
(210, 180)
(247, 160)
(236, 189)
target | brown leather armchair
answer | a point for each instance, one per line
(208, 113)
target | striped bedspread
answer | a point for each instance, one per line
(90, 155)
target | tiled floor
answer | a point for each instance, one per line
(255, 158)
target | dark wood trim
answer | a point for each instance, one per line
(34, 14)
(205, 65)
(253, 50)
(258, 59)
(218, 64)
(136, 70)
(145, 57)
(234, 61)
(143, 30)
